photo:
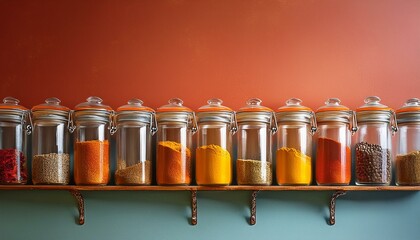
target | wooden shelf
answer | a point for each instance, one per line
(209, 188)
(337, 192)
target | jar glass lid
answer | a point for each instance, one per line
(254, 105)
(411, 105)
(372, 103)
(51, 104)
(175, 105)
(293, 105)
(93, 103)
(216, 112)
(333, 111)
(332, 104)
(255, 112)
(134, 105)
(293, 111)
(214, 105)
(409, 112)
(11, 103)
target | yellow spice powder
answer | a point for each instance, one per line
(293, 167)
(213, 165)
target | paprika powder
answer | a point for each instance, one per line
(173, 164)
(333, 162)
(91, 162)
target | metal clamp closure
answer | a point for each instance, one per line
(112, 123)
(314, 125)
(393, 121)
(153, 123)
(70, 123)
(273, 123)
(193, 120)
(233, 123)
(353, 126)
(29, 126)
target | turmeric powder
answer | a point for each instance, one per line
(293, 167)
(173, 164)
(213, 165)
(91, 162)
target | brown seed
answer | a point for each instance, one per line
(51, 168)
(373, 164)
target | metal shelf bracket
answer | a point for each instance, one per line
(193, 207)
(253, 218)
(332, 205)
(80, 205)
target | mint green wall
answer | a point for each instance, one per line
(221, 215)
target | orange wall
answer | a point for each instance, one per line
(195, 50)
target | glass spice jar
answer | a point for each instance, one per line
(91, 149)
(216, 125)
(15, 125)
(176, 125)
(336, 124)
(407, 158)
(135, 126)
(50, 143)
(256, 125)
(296, 125)
(373, 147)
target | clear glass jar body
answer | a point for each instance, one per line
(408, 154)
(13, 158)
(294, 154)
(173, 154)
(213, 154)
(91, 153)
(373, 154)
(50, 152)
(254, 164)
(134, 160)
(333, 154)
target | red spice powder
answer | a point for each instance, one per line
(12, 167)
(333, 163)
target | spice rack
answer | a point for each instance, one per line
(76, 192)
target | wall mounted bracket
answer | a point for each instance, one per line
(193, 207)
(80, 205)
(332, 205)
(253, 218)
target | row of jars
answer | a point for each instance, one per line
(134, 125)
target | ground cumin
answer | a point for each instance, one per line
(333, 163)
(137, 174)
(173, 164)
(253, 172)
(293, 167)
(91, 162)
(213, 165)
(408, 168)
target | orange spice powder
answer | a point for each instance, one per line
(173, 164)
(91, 162)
